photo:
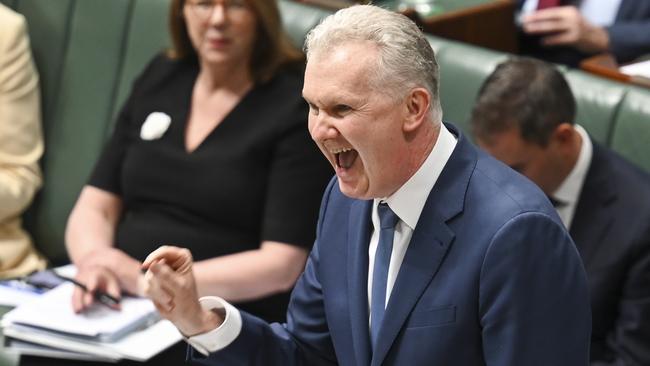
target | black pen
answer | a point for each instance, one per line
(99, 295)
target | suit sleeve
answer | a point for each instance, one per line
(629, 39)
(21, 143)
(303, 341)
(534, 300)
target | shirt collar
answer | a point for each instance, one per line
(408, 201)
(569, 191)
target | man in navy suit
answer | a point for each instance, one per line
(525, 116)
(567, 31)
(428, 251)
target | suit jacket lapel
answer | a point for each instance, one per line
(429, 244)
(626, 8)
(358, 241)
(591, 219)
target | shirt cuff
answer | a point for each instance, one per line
(222, 336)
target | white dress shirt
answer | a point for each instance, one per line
(407, 203)
(599, 12)
(569, 191)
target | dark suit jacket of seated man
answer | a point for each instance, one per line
(482, 271)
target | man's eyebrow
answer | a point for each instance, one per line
(309, 102)
(305, 98)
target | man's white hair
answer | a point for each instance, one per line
(406, 57)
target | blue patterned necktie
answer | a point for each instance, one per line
(388, 220)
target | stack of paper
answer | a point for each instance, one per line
(135, 332)
(637, 69)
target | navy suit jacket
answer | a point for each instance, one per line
(490, 277)
(629, 36)
(611, 228)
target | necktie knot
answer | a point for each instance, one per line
(387, 218)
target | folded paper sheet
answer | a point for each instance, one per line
(134, 332)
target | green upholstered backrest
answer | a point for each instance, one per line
(298, 19)
(87, 53)
(147, 34)
(597, 102)
(463, 69)
(631, 133)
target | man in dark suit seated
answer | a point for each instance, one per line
(428, 251)
(567, 31)
(524, 116)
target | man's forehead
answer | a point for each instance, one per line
(340, 73)
(345, 52)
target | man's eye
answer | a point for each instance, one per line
(342, 109)
(313, 109)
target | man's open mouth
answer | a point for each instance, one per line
(345, 157)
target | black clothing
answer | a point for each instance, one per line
(257, 176)
(611, 229)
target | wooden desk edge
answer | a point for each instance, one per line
(497, 4)
(606, 66)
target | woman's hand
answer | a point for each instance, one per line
(170, 284)
(123, 267)
(95, 278)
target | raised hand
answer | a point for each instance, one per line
(170, 284)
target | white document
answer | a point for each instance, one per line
(138, 346)
(48, 320)
(53, 311)
(22, 348)
(637, 69)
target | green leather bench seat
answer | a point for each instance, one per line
(89, 51)
(298, 19)
(598, 101)
(631, 133)
(462, 72)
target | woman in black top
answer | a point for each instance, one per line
(211, 152)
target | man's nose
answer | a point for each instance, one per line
(322, 128)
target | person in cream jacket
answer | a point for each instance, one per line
(21, 145)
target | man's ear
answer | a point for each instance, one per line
(564, 134)
(417, 104)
